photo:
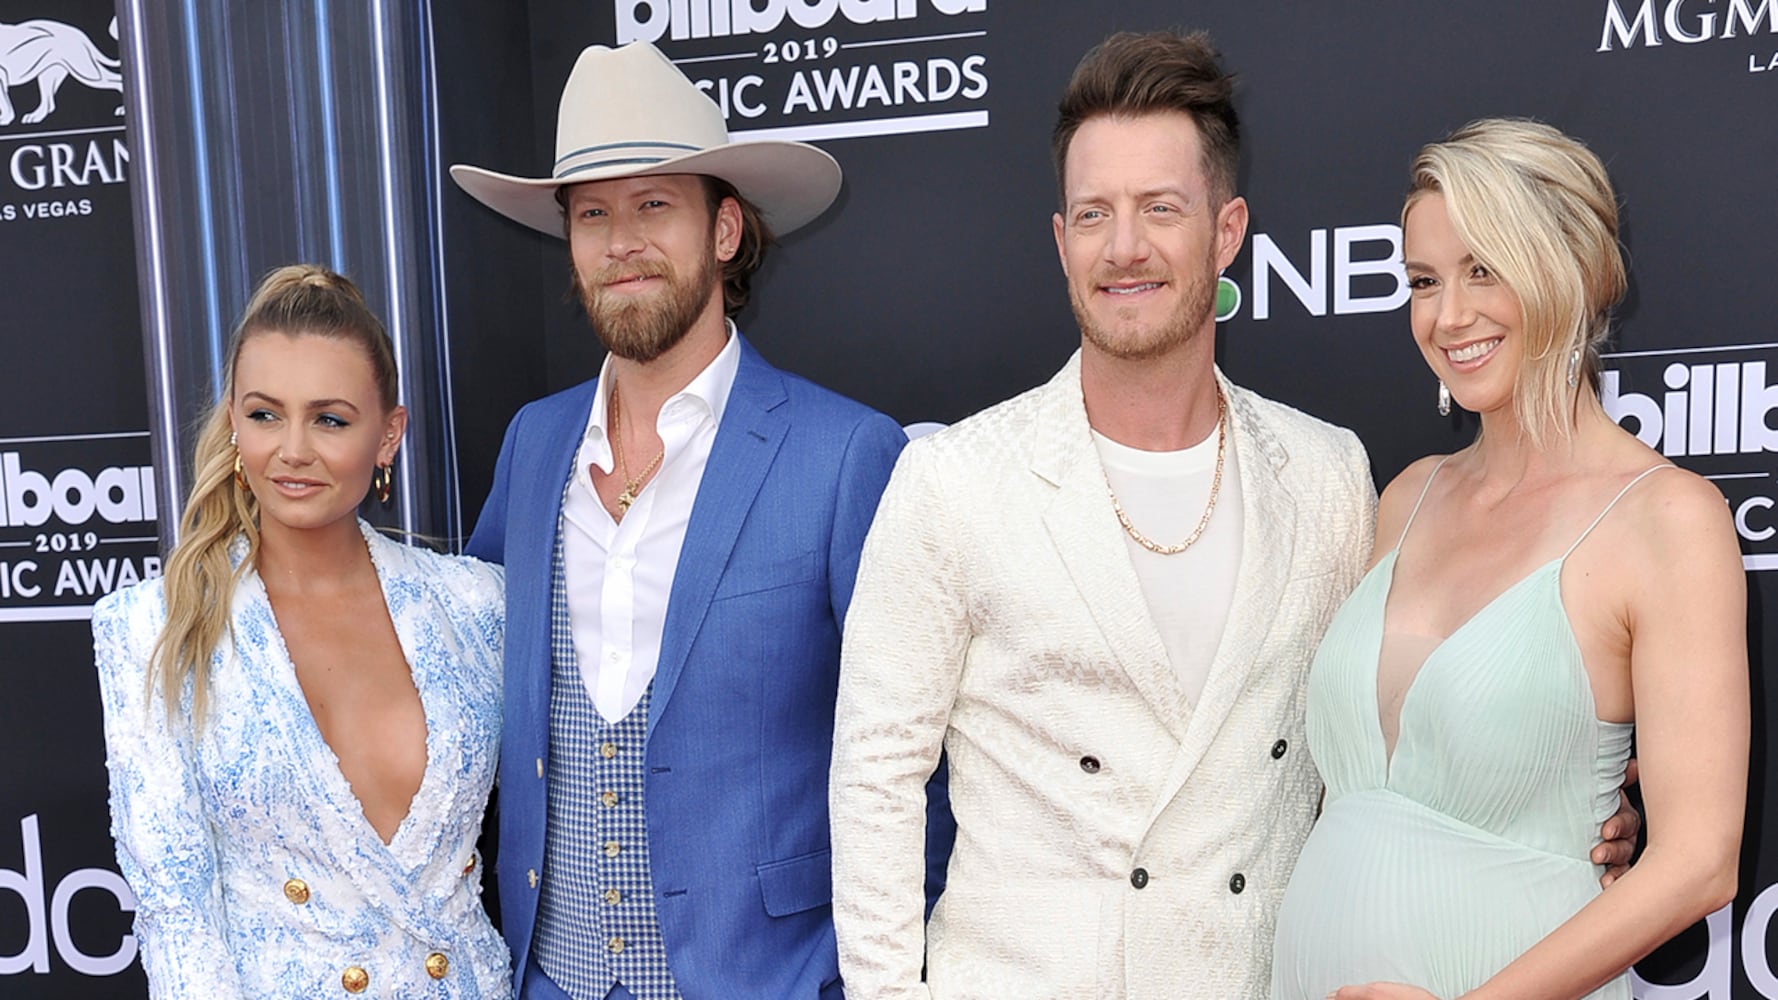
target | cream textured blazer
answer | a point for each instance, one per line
(1111, 842)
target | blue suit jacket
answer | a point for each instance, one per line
(740, 723)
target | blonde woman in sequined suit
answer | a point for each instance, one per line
(302, 717)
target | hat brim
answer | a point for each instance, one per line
(791, 183)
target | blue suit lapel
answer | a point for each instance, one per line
(752, 430)
(537, 482)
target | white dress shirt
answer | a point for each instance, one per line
(619, 575)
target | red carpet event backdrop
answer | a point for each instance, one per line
(929, 291)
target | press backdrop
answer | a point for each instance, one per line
(929, 291)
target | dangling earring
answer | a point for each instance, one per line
(383, 482)
(1444, 399)
(240, 474)
(1574, 368)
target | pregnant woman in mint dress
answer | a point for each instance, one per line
(1534, 599)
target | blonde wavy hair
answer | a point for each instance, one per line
(199, 580)
(1536, 208)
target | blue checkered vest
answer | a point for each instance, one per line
(596, 924)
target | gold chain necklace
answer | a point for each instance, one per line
(634, 486)
(1222, 441)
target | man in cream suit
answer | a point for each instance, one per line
(1100, 599)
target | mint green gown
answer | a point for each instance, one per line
(1439, 865)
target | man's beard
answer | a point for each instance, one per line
(642, 330)
(1196, 303)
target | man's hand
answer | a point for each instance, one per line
(1619, 834)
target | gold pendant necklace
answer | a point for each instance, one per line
(632, 487)
(1222, 441)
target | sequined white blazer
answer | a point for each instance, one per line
(256, 872)
(1111, 843)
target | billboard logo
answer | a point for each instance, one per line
(1716, 408)
(28, 498)
(49, 53)
(77, 521)
(816, 70)
(648, 20)
(1710, 409)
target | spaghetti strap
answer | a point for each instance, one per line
(1423, 491)
(1620, 495)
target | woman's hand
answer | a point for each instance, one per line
(1381, 991)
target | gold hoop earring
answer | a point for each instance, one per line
(382, 481)
(240, 475)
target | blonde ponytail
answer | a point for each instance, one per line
(198, 580)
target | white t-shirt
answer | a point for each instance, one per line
(1189, 594)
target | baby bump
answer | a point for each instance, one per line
(1387, 889)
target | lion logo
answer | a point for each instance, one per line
(51, 52)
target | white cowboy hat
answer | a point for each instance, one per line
(629, 112)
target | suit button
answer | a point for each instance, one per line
(532, 875)
(613, 897)
(1089, 764)
(1139, 877)
(1237, 882)
(437, 965)
(1278, 749)
(612, 848)
(355, 979)
(608, 750)
(615, 945)
(609, 798)
(296, 890)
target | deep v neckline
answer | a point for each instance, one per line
(1387, 564)
(331, 778)
(1393, 557)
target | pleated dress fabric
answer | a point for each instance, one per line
(1439, 865)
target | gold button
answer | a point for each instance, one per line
(608, 750)
(609, 798)
(437, 966)
(613, 897)
(611, 848)
(615, 945)
(296, 890)
(469, 866)
(355, 979)
(532, 875)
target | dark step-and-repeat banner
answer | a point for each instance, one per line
(930, 290)
(77, 508)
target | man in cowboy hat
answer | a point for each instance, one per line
(680, 537)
